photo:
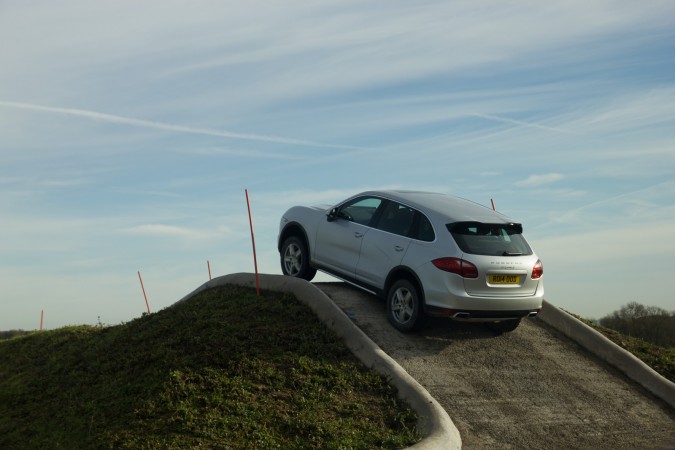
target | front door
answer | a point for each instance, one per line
(338, 242)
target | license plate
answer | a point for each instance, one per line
(504, 279)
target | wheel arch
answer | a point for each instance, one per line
(407, 273)
(293, 229)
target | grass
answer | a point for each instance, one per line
(225, 370)
(661, 359)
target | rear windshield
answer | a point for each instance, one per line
(502, 239)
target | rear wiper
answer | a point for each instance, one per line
(512, 254)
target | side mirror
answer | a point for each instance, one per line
(332, 215)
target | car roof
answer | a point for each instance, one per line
(444, 208)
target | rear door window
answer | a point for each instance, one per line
(490, 239)
(422, 230)
(403, 220)
(396, 219)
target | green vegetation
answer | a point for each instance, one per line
(226, 369)
(661, 359)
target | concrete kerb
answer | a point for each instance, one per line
(608, 351)
(434, 423)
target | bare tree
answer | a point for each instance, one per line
(651, 323)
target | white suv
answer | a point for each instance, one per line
(425, 253)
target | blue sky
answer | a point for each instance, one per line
(130, 130)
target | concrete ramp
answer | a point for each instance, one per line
(533, 388)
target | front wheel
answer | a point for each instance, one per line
(295, 259)
(404, 306)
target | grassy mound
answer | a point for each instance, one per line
(226, 369)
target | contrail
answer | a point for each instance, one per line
(169, 127)
(520, 123)
(666, 186)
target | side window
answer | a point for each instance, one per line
(396, 219)
(424, 231)
(360, 210)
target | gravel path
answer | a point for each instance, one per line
(532, 388)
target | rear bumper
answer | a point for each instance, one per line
(450, 300)
(478, 316)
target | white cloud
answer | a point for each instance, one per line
(244, 153)
(302, 49)
(611, 242)
(647, 205)
(593, 273)
(538, 180)
(430, 94)
(160, 230)
(651, 107)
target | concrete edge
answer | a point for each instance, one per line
(608, 351)
(434, 422)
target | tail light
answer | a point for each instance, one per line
(538, 270)
(458, 266)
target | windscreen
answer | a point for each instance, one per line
(504, 239)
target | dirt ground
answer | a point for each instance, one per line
(532, 388)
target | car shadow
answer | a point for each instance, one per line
(368, 312)
(443, 328)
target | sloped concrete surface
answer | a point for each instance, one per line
(533, 388)
(608, 351)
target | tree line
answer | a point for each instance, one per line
(13, 333)
(650, 323)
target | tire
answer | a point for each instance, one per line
(295, 259)
(404, 306)
(505, 326)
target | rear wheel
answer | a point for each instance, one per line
(404, 306)
(505, 326)
(295, 259)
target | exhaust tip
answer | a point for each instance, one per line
(461, 315)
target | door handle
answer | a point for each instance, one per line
(358, 234)
(398, 248)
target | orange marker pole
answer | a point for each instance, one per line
(144, 295)
(208, 265)
(255, 260)
(42, 318)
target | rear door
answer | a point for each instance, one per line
(385, 245)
